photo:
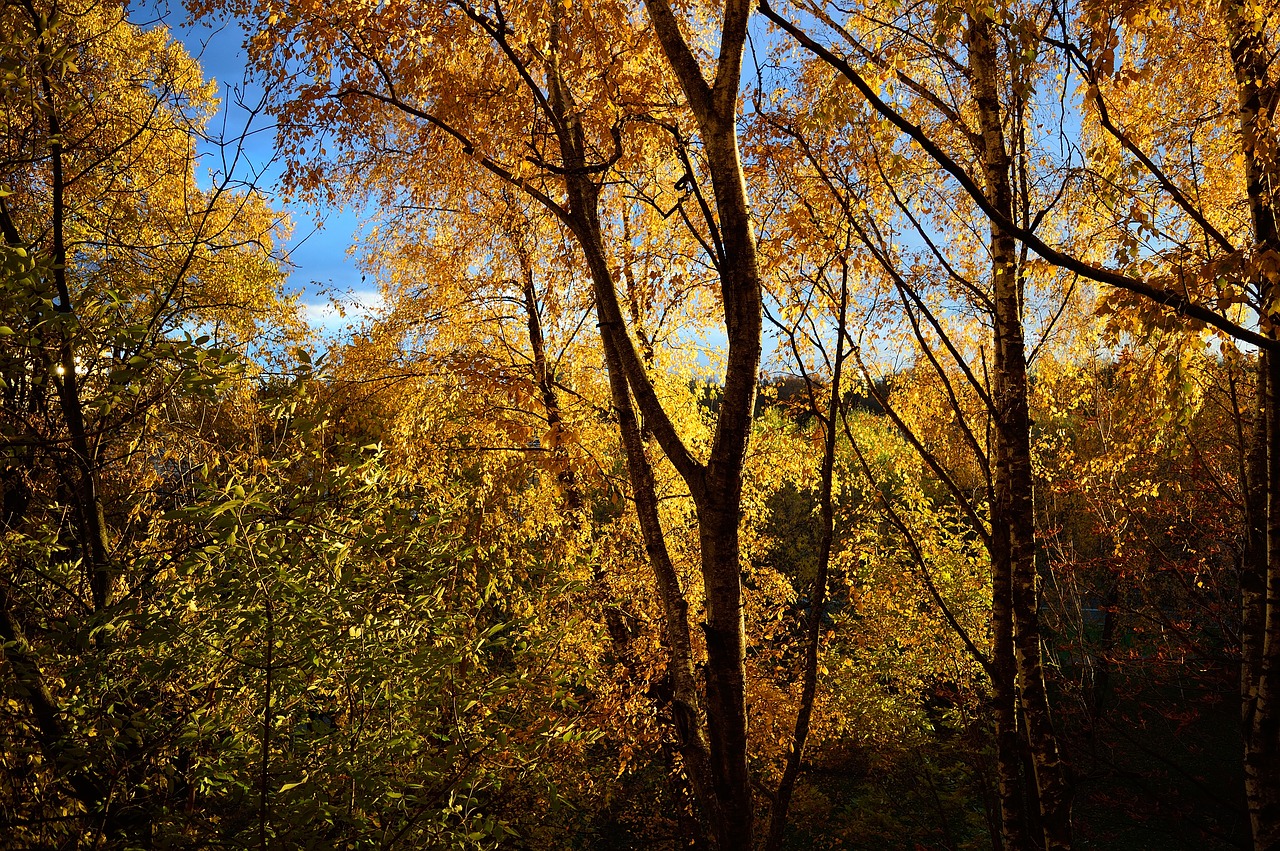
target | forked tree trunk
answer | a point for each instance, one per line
(716, 486)
(685, 702)
(714, 751)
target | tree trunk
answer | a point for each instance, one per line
(1012, 516)
(90, 519)
(1260, 577)
(1004, 696)
(50, 732)
(724, 797)
(818, 594)
(686, 708)
(716, 487)
(686, 713)
(1262, 748)
(615, 618)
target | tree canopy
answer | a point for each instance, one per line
(790, 425)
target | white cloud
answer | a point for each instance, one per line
(343, 313)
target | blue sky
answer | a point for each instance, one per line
(322, 268)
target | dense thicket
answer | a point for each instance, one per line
(797, 427)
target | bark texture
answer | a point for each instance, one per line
(685, 700)
(1260, 575)
(1012, 514)
(717, 486)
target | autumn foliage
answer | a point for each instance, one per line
(787, 426)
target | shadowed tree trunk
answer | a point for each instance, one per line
(1012, 515)
(1260, 578)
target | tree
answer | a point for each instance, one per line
(112, 258)
(1180, 223)
(378, 81)
(986, 129)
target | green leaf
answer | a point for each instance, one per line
(286, 787)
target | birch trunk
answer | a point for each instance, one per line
(685, 702)
(1013, 516)
(1260, 579)
(716, 487)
